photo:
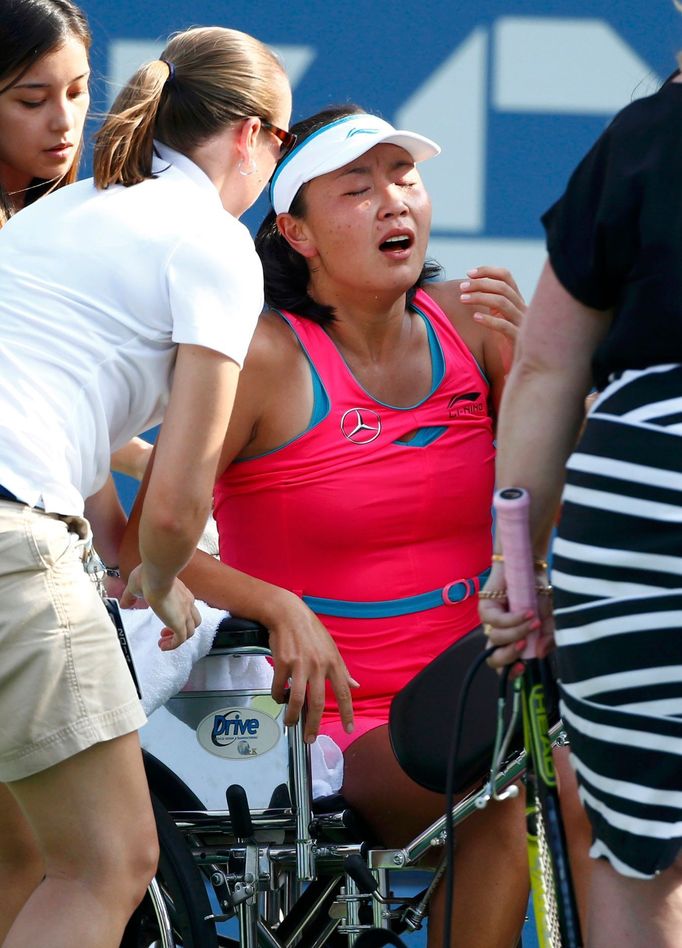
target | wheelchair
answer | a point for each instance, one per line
(248, 858)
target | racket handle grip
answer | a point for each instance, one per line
(512, 509)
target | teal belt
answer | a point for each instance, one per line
(449, 595)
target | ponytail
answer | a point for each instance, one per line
(124, 146)
(207, 79)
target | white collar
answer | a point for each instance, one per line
(164, 156)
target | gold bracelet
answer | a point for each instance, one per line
(538, 563)
(492, 594)
(542, 589)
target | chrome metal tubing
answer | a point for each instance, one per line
(398, 858)
(301, 791)
(435, 834)
(266, 937)
(352, 910)
(378, 909)
(313, 909)
(162, 916)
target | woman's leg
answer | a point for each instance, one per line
(92, 819)
(491, 868)
(639, 913)
(578, 832)
(21, 863)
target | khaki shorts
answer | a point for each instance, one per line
(64, 684)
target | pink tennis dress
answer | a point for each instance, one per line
(379, 517)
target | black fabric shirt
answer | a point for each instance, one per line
(615, 237)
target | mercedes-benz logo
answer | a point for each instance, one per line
(361, 425)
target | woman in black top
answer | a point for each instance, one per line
(608, 310)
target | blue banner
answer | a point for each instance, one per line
(515, 94)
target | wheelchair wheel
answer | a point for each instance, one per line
(182, 893)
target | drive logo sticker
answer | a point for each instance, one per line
(238, 733)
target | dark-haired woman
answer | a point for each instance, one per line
(121, 301)
(357, 474)
(44, 98)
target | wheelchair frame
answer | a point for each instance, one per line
(291, 876)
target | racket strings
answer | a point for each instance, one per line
(544, 879)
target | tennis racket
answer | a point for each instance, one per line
(552, 891)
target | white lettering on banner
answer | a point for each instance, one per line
(547, 65)
(452, 108)
(562, 65)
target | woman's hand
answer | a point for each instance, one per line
(509, 631)
(174, 605)
(305, 656)
(495, 289)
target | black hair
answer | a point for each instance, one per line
(29, 29)
(285, 271)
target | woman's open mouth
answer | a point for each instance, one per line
(397, 243)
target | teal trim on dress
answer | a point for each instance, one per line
(423, 437)
(320, 399)
(448, 595)
(321, 402)
(428, 435)
(437, 357)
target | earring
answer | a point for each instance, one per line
(249, 171)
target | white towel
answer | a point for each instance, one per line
(326, 762)
(163, 674)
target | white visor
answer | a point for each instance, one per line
(333, 146)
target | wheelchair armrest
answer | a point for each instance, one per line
(237, 633)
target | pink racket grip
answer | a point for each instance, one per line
(512, 508)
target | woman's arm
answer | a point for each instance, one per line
(108, 521)
(543, 405)
(132, 458)
(178, 492)
(304, 653)
(541, 414)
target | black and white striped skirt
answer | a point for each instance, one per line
(617, 573)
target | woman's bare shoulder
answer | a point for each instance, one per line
(273, 346)
(447, 294)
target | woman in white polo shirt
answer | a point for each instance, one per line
(44, 99)
(108, 291)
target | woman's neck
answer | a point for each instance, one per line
(369, 331)
(14, 183)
